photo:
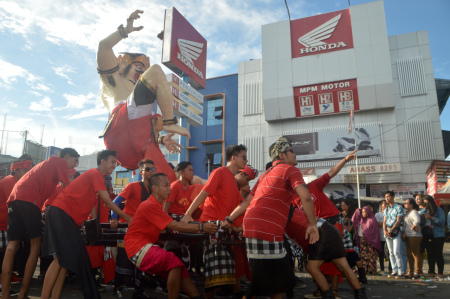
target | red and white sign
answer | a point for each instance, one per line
(184, 49)
(321, 34)
(326, 98)
(432, 182)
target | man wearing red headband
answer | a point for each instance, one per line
(24, 213)
(18, 170)
(130, 88)
(242, 267)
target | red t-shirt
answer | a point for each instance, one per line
(59, 188)
(133, 198)
(323, 206)
(223, 197)
(267, 215)
(80, 196)
(6, 187)
(146, 225)
(180, 198)
(39, 183)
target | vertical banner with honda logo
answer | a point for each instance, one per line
(321, 34)
(326, 98)
(184, 49)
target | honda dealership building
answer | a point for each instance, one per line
(314, 71)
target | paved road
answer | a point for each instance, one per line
(378, 287)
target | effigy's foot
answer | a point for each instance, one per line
(173, 128)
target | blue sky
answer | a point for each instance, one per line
(48, 73)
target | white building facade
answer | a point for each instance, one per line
(315, 70)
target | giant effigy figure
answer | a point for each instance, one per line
(130, 88)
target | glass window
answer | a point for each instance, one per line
(213, 157)
(215, 112)
(122, 174)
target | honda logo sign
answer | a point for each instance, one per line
(184, 49)
(321, 34)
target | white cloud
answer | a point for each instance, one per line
(62, 71)
(10, 74)
(44, 105)
(10, 104)
(98, 110)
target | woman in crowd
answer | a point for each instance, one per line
(435, 245)
(347, 212)
(413, 236)
(367, 237)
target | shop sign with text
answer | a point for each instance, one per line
(326, 98)
(376, 168)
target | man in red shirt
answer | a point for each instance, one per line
(220, 196)
(266, 218)
(24, 212)
(180, 195)
(62, 233)
(133, 194)
(18, 170)
(143, 234)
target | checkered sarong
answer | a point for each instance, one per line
(346, 236)
(261, 249)
(219, 265)
(3, 239)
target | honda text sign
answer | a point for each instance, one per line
(326, 98)
(184, 49)
(321, 34)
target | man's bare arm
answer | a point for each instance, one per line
(112, 206)
(335, 170)
(241, 208)
(167, 205)
(194, 205)
(312, 233)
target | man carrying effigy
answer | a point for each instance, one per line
(133, 85)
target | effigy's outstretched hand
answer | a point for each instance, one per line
(171, 145)
(134, 16)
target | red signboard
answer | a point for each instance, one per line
(321, 34)
(184, 49)
(326, 98)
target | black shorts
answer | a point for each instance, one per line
(352, 258)
(329, 246)
(270, 277)
(24, 221)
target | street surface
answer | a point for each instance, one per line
(378, 286)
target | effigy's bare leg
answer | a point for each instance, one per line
(157, 79)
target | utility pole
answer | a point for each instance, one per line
(42, 133)
(6, 142)
(3, 132)
(25, 142)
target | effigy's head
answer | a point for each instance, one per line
(133, 65)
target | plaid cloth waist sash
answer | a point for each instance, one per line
(262, 249)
